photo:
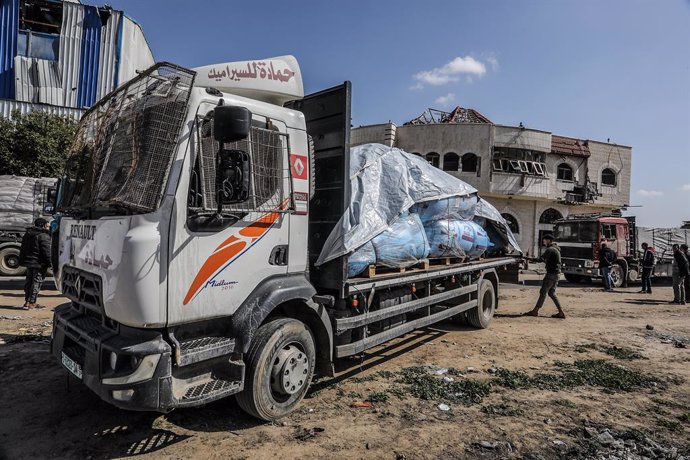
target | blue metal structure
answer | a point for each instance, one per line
(90, 55)
(9, 26)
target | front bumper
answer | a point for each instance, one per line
(579, 267)
(83, 341)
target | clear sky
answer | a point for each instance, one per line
(617, 69)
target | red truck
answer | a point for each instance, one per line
(580, 237)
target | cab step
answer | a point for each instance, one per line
(192, 351)
(210, 390)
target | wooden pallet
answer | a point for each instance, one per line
(446, 261)
(374, 270)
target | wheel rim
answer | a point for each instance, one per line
(617, 276)
(290, 370)
(487, 303)
(12, 261)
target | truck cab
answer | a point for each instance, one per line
(579, 238)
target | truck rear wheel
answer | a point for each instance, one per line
(9, 262)
(280, 365)
(481, 316)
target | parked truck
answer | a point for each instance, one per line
(192, 222)
(580, 236)
(22, 200)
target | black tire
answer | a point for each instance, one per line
(481, 316)
(274, 344)
(618, 275)
(573, 278)
(9, 262)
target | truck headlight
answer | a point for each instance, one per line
(144, 371)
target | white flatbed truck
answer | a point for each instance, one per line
(195, 206)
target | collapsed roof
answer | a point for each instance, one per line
(457, 115)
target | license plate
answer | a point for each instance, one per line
(71, 365)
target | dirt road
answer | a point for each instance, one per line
(600, 384)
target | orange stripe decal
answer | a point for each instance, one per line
(230, 248)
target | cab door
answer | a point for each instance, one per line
(216, 263)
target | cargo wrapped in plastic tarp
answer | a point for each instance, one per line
(361, 259)
(456, 238)
(454, 207)
(662, 239)
(21, 201)
(386, 182)
(402, 244)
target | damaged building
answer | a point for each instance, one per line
(63, 56)
(533, 177)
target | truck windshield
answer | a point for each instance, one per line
(124, 145)
(583, 232)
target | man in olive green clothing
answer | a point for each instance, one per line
(552, 259)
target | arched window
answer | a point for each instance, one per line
(433, 158)
(564, 172)
(549, 216)
(512, 222)
(608, 177)
(469, 162)
(451, 161)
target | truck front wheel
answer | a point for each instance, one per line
(9, 262)
(481, 316)
(280, 365)
(618, 275)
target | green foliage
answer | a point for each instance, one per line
(35, 144)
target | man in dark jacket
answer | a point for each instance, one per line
(35, 256)
(684, 250)
(552, 259)
(647, 267)
(683, 272)
(606, 258)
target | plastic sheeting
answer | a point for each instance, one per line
(90, 53)
(386, 182)
(108, 56)
(456, 238)
(361, 259)
(455, 207)
(135, 53)
(71, 36)
(662, 239)
(21, 201)
(9, 25)
(402, 244)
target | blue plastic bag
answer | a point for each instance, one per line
(403, 244)
(444, 238)
(454, 207)
(359, 260)
(473, 239)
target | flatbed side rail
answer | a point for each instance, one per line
(397, 279)
(371, 341)
(343, 324)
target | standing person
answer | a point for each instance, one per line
(35, 256)
(684, 250)
(647, 267)
(683, 272)
(552, 259)
(606, 258)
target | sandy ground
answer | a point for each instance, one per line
(46, 414)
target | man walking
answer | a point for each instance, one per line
(647, 267)
(35, 256)
(684, 250)
(606, 258)
(552, 259)
(683, 272)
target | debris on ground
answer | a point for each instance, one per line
(499, 446)
(676, 340)
(444, 407)
(361, 404)
(10, 318)
(422, 384)
(604, 443)
(303, 434)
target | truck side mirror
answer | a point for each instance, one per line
(231, 123)
(233, 173)
(50, 200)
